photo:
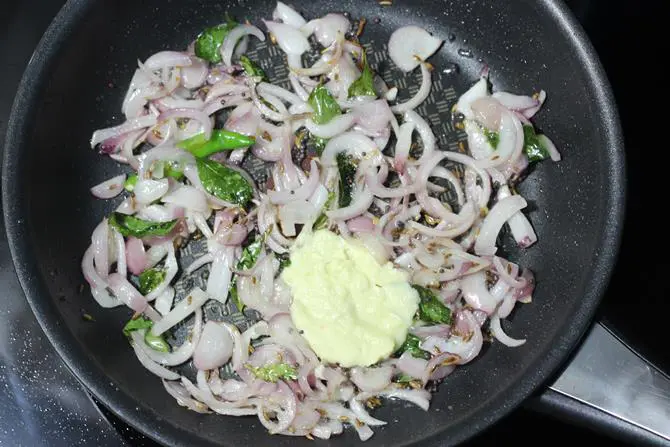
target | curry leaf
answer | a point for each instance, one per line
(431, 309)
(324, 105)
(139, 228)
(347, 171)
(533, 148)
(209, 41)
(364, 85)
(150, 279)
(224, 182)
(274, 372)
(411, 345)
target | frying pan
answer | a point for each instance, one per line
(75, 82)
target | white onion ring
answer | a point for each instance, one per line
(304, 192)
(359, 204)
(126, 292)
(228, 46)
(334, 127)
(149, 364)
(420, 96)
(195, 299)
(499, 214)
(354, 143)
(501, 336)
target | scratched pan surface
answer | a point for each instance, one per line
(75, 83)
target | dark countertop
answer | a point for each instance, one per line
(41, 403)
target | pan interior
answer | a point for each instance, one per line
(526, 48)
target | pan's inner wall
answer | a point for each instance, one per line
(525, 51)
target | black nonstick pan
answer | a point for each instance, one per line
(75, 83)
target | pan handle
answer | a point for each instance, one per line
(609, 377)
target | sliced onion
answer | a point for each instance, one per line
(194, 114)
(330, 28)
(359, 204)
(403, 145)
(229, 42)
(202, 260)
(509, 276)
(244, 119)
(226, 88)
(296, 212)
(476, 293)
(170, 269)
(215, 347)
(288, 15)
(373, 116)
(101, 250)
(529, 113)
(550, 146)
(304, 192)
(195, 75)
(439, 367)
(149, 364)
(352, 142)
(410, 45)
(220, 275)
(181, 311)
(109, 188)
(147, 190)
(136, 256)
(289, 39)
(361, 224)
(141, 122)
(412, 366)
(499, 214)
(420, 398)
(183, 397)
(284, 404)
(374, 183)
(264, 88)
(164, 301)
(187, 197)
(511, 142)
(501, 336)
(424, 130)
(298, 87)
(104, 299)
(167, 59)
(372, 378)
(120, 252)
(467, 348)
(171, 102)
(478, 90)
(420, 96)
(442, 172)
(334, 127)
(362, 415)
(127, 293)
(516, 102)
(488, 111)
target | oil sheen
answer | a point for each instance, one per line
(352, 310)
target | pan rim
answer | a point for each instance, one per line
(148, 422)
